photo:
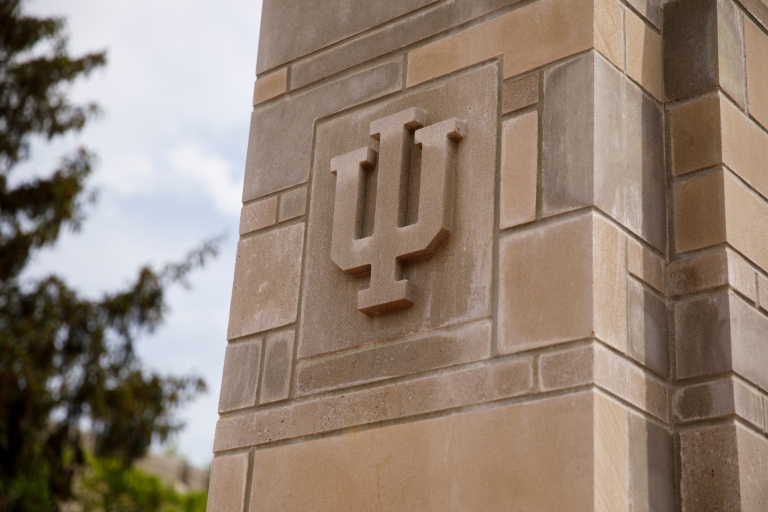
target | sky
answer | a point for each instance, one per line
(176, 100)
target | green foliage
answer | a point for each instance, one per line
(109, 486)
(65, 360)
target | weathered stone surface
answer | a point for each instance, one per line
(239, 384)
(709, 477)
(651, 9)
(746, 221)
(753, 469)
(710, 270)
(561, 282)
(699, 218)
(645, 265)
(258, 215)
(602, 146)
(293, 28)
(741, 275)
(519, 169)
(648, 332)
(391, 37)
(486, 460)
(703, 49)
(331, 320)
(280, 140)
(293, 204)
(643, 54)
(278, 363)
(717, 399)
(435, 350)
(651, 466)
(226, 490)
(696, 135)
(567, 368)
(528, 37)
(270, 86)
(521, 93)
(265, 293)
(762, 288)
(444, 391)
(757, 71)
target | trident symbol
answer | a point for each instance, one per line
(392, 243)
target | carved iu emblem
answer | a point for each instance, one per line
(392, 243)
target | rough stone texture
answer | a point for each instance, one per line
(270, 86)
(718, 399)
(711, 270)
(437, 350)
(643, 54)
(278, 363)
(528, 37)
(293, 204)
(651, 466)
(709, 479)
(703, 49)
(226, 491)
(490, 460)
(331, 319)
(746, 221)
(741, 276)
(434, 393)
(695, 130)
(265, 294)
(645, 265)
(602, 146)
(757, 71)
(745, 147)
(648, 332)
(280, 140)
(258, 215)
(290, 29)
(240, 381)
(521, 93)
(562, 282)
(519, 169)
(753, 470)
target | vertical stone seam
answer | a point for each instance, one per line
(262, 366)
(248, 482)
(540, 148)
(495, 265)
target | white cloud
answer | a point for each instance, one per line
(210, 173)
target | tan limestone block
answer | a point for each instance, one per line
(762, 288)
(717, 399)
(451, 287)
(293, 204)
(519, 169)
(648, 329)
(696, 135)
(709, 478)
(741, 275)
(278, 363)
(753, 469)
(503, 458)
(226, 490)
(426, 352)
(746, 221)
(521, 93)
(703, 336)
(240, 381)
(265, 294)
(528, 38)
(645, 265)
(651, 466)
(430, 394)
(745, 147)
(643, 54)
(697, 273)
(756, 42)
(566, 368)
(258, 215)
(650, 9)
(699, 212)
(270, 86)
(609, 284)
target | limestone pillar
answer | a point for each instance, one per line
(501, 255)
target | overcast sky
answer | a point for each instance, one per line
(171, 145)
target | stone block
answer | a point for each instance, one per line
(703, 48)
(431, 394)
(331, 319)
(258, 215)
(746, 221)
(648, 331)
(602, 145)
(745, 147)
(278, 364)
(753, 469)
(265, 294)
(762, 287)
(293, 204)
(504, 458)
(519, 169)
(718, 399)
(695, 131)
(429, 352)
(226, 490)
(643, 54)
(520, 93)
(697, 273)
(240, 382)
(650, 9)
(741, 275)
(561, 282)
(645, 265)
(699, 212)
(709, 478)
(280, 140)
(757, 71)
(749, 342)
(651, 466)
(270, 86)
(529, 37)
(321, 25)
(567, 368)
